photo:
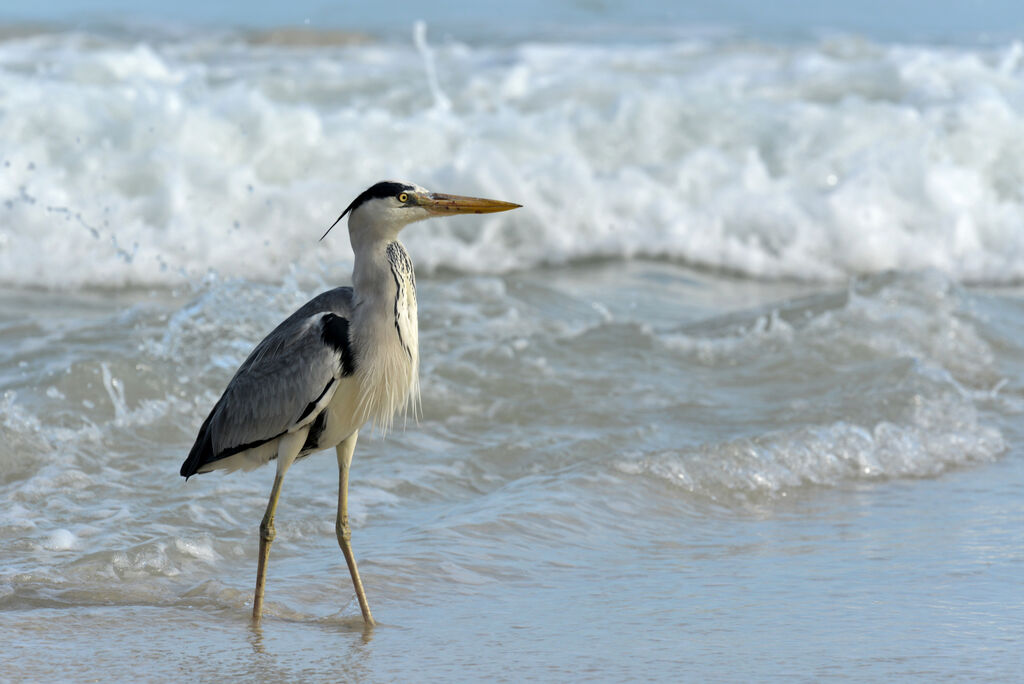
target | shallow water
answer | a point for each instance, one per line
(736, 395)
(624, 470)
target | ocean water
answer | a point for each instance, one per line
(735, 396)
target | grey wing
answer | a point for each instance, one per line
(284, 383)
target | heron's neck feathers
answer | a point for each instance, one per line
(385, 333)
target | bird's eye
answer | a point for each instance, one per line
(403, 197)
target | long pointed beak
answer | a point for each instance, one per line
(444, 205)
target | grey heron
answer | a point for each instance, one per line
(347, 357)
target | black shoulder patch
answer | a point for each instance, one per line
(334, 333)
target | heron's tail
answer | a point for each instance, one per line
(202, 451)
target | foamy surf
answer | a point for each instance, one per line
(155, 162)
(935, 436)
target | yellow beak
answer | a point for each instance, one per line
(437, 203)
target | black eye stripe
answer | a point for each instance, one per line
(378, 191)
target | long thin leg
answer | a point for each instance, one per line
(287, 449)
(345, 450)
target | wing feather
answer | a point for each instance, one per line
(289, 377)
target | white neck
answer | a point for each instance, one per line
(385, 329)
(372, 223)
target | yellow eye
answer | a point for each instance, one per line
(403, 197)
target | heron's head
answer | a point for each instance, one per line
(384, 209)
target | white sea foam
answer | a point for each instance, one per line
(937, 435)
(922, 318)
(895, 372)
(60, 540)
(157, 162)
